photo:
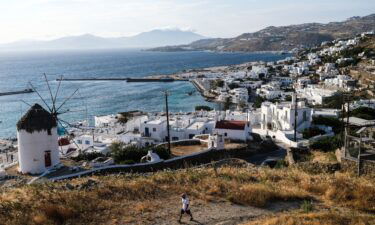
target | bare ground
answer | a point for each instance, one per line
(208, 213)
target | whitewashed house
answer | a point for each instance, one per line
(277, 120)
(314, 94)
(239, 95)
(233, 129)
(270, 91)
(341, 81)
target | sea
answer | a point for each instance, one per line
(18, 69)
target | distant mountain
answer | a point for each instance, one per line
(149, 39)
(282, 38)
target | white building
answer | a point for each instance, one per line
(341, 81)
(239, 95)
(270, 91)
(277, 120)
(37, 141)
(314, 94)
(258, 71)
(281, 116)
(233, 129)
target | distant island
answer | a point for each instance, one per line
(284, 38)
(154, 38)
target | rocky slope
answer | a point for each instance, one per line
(283, 38)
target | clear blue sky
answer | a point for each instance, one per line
(47, 19)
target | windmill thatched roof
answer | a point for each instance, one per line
(36, 119)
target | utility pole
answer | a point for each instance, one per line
(166, 93)
(295, 108)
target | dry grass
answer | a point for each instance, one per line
(315, 218)
(133, 198)
(323, 157)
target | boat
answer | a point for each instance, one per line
(190, 93)
(28, 90)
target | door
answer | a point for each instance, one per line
(147, 132)
(47, 158)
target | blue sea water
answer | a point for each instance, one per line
(104, 97)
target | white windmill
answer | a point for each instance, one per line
(38, 148)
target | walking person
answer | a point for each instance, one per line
(185, 207)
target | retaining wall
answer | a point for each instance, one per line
(350, 164)
(175, 163)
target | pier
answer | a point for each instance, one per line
(17, 92)
(127, 79)
(205, 93)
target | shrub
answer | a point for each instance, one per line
(133, 154)
(233, 86)
(258, 102)
(335, 123)
(307, 206)
(88, 156)
(327, 144)
(202, 107)
(364, 113)
(312, 132)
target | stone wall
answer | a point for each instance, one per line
(199, 158)
(350, 164)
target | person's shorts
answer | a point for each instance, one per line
(185, 211)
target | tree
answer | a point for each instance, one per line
(233, 86)
(202, 107)
(227, 103)
(123, 154)
(364, 113)
(258, 101)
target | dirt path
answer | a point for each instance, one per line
(218, 213)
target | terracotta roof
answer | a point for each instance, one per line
(231, 124)
(63, 142)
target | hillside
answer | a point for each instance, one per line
(229, 194)
(283, 38)
(87, 41)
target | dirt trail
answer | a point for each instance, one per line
(218, 213)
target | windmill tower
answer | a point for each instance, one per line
(38, 148)
(37, 141)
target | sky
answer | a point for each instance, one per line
(49, 19)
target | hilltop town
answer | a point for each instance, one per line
(291, 141)
(283, 38)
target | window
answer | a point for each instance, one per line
(79, 142)
(304, 116)
(49, 132)
(174, 138)
(154, 129)
(87, 142)
(225, 134)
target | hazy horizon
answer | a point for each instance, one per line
(51, 19)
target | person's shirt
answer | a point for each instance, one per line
(185, 203)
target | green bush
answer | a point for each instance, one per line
(202, 107)
(88, 156)
(333, 122)
(258, 102)
(364, 113)
(122, 153)
(327, 144)
(312, 132)
(233, 86)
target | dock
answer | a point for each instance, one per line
(127, 79)
(205, 93)
(17, 92)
